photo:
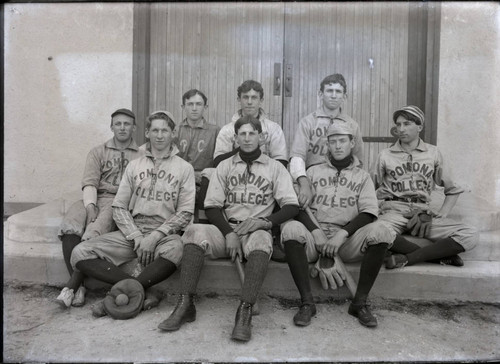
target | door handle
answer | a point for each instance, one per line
(288, 80)
(277, 79)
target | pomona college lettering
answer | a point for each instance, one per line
(114, 162)
(342, 181)
(243, 179)
(412, 167)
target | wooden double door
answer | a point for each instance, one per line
(387, 52)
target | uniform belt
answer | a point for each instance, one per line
(405, 199)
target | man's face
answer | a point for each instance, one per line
(160, 135)
(333, 96)
(408, 130)
(250, 103)
(122, 127)
(340, 146)
(248, 138)
(194, 108)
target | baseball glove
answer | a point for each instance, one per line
(135, 294)
(420, 223)
(328, 274)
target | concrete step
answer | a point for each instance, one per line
(476, 281)
(32, 253)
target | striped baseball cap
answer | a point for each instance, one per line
(410, 109)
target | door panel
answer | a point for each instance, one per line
(367, 43)
(214, 47)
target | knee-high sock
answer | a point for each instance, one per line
(102, 270)
(255, 272)
(439, 249)
(370, 266)
(403, 246)
(157, 271)
(69, 242)
(297, 262)
(193, 258)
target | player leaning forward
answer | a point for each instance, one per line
(405, 175)
(345, 205)
(244, 189)
(154, 202)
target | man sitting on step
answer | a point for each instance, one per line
(241, 196)
(405, 175)
(154, 203)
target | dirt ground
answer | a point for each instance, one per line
(38, 330)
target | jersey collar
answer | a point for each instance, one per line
(173, 151)
(262, 115)
(396, 147)
(202, 124)
(355, 162)
(263, 159)
(319, 113)
(111, 144)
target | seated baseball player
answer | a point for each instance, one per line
(310, 144)
(196, 141)
(250, 96)
(240, 199)
(93, 216)
(154, 202)
(405, 175)
(344, 205)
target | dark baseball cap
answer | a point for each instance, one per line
(124, 112)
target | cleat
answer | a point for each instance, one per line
(362, 312)
(303, 317)
(65, 297)
(79, 299)
(98, 309)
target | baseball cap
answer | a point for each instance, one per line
(124, 112)
(339, 128)
(168, 113)
(410, 109)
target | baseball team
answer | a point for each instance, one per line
(195, 191)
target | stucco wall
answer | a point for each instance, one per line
(67, 67)
(469, 95)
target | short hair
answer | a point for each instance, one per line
(335, 78)
(160, 115)
(254, 122)
(250, 85)
(191, 93)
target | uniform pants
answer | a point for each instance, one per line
(74, 220)
(391, 215)
(213, 243)
(114, 248)
(352, 250)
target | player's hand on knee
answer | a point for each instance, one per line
(147, 247)
(92, 212)
(233, 246)
(89, 234)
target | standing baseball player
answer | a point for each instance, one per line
(240, 200)
(310, 144)
(405, 175)
(154, 202)
(196, 140)
(93, 216)
(344, 205)
(272, 140)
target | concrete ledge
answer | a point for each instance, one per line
(476, 281)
